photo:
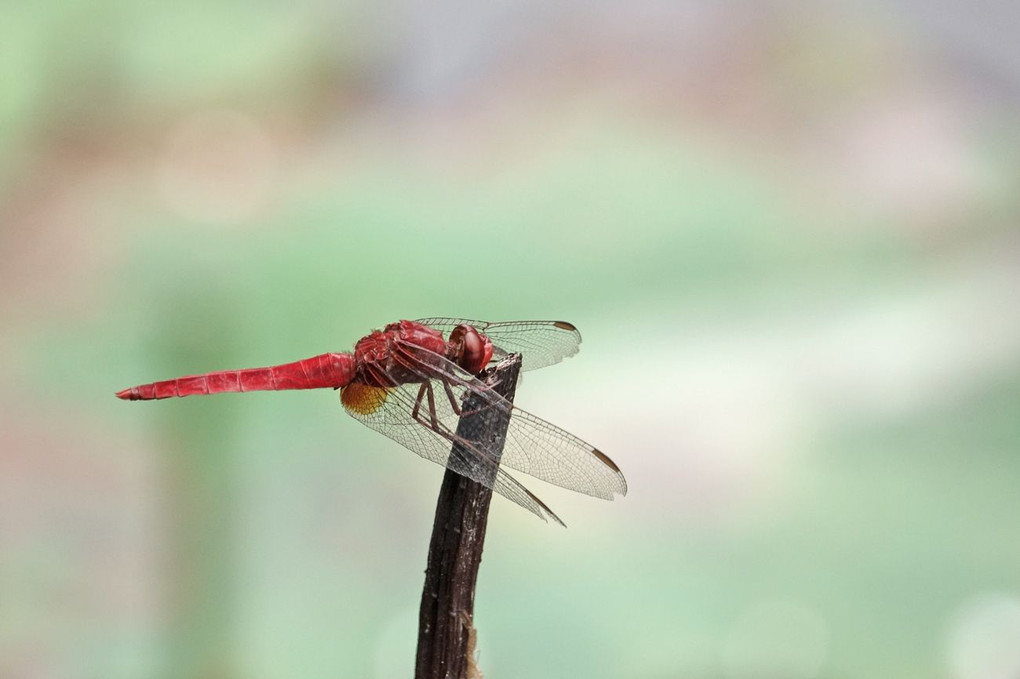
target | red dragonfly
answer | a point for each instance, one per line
(409, 381)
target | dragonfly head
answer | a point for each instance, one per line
(469, 348)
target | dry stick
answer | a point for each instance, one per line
(445, 631)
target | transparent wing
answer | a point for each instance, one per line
(533, 446)
(540, 343)
(393, 412)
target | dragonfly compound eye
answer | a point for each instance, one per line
(472, 349)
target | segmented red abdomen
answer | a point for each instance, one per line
(325, 370)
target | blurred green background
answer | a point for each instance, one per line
(787, 231)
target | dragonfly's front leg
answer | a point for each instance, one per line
(456, 407)
(453, 399)
(486, 402)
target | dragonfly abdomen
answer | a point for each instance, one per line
(326, 370)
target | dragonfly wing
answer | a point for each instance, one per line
(533, 446)
(391, 412)
(540, 343)
(543, 450)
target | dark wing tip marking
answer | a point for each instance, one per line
(545, 508)
(604, 459)
(563, 325)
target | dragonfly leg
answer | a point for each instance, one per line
(417, 401)
(453, 399)
(495, 401)
(432, 422)
(425, 392)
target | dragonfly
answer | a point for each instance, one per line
(410, 381)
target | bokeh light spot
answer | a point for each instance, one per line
(984, 638)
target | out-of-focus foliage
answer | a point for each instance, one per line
(787, 231)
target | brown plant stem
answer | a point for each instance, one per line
(445, 630)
